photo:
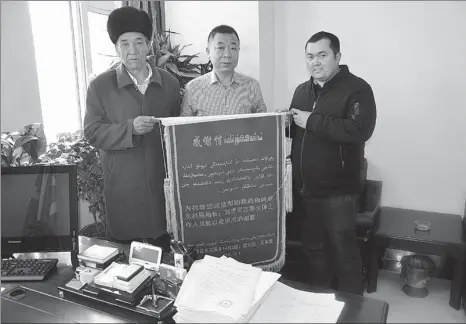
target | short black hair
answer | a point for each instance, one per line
(221, 29)
(334, 41)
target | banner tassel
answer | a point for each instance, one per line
(288, 186)
(169, 204)
(168, 190)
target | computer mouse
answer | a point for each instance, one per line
(17, 292)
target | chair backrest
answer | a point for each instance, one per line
(364, 170)
(370, 191)
(373, 195)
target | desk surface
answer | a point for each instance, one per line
(399, 223)
(51, 308)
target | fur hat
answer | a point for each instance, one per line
(128, 19)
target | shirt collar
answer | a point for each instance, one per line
(236, 78)
(124, 78)
(146, 80)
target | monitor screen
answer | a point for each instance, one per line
(39, 208)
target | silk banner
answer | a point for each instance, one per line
(225, 185)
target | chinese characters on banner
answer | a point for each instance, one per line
(227, 177)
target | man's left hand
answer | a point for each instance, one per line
(300, 117)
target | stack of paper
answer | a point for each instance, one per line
(221, 290)
(98, 254)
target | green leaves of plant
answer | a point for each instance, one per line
(23, 147)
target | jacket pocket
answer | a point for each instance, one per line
(322, 163)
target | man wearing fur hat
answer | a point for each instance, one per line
(121, 110)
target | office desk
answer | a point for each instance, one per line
(42, 303)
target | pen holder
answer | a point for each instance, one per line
(155, 304)
(157, 309)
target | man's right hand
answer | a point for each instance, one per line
(143, 124)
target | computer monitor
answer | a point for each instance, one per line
(39, 206)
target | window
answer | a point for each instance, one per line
(99, 51)
(55, 61)
(102, 49)
(70, 49)
(94, 50)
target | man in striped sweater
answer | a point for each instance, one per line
(223, 91)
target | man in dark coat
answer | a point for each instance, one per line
(334, 114)
(121, 109)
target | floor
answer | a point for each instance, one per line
(405, 309)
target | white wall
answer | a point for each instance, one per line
(195, 19)
(413, 56)
(20, 103)
(267, 51)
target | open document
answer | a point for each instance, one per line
(284, 304)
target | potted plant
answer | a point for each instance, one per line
(169, 57)
(73, 148)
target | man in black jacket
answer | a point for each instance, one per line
(334, 115)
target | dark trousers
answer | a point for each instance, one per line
(328, 233)
(162, 242)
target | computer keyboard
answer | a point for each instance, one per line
(27, 270)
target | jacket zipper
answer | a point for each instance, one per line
(342, 161)
(303, 184)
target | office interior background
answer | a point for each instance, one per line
(412, 53)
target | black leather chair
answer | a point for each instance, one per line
(368, 212)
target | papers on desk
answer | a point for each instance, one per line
(222, 290)
(289, 305)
